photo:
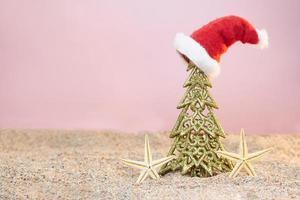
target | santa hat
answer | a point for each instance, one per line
(206, 45)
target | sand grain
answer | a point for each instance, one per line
(57, 164)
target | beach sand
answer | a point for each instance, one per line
(60, 164)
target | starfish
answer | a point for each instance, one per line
(148, 167)
(243, 159)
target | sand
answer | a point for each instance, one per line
(58, 164)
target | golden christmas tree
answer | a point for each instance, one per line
(197, 132)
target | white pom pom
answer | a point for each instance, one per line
(263, 39)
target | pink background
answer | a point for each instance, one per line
(95, 64)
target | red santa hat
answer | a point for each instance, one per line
(206, 45)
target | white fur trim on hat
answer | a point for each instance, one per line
(263, 39)
(197, 54)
